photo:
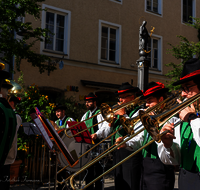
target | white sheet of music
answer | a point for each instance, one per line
(44, 133)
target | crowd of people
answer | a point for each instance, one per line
(154, 167)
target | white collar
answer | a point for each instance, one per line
(94, 110)
(63, 118)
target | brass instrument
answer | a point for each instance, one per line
(152, 123)
(108, 113)
(128, 124)
(161, 119)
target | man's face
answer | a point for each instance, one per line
(90, 104)
(127, 97)
(189, 89)
(60, 113)
(152, 101)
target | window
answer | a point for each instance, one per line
(109, 43)
(58, 22)
(154, 44)
(188, 7)
(154, 6)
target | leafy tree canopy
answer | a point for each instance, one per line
(184, 51)
(12, 11)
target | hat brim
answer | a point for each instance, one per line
(127, 91)
(185, 80)
(90, 99)
(161, 91)
(60, 107)
(8, 86)
(4, 75)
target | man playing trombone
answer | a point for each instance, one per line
(155, 175)
(96, 134)
(181, 146)
(127, 175)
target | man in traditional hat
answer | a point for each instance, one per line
(96, 133)
(62, 118)
(184, 147)
(7, 131)
(127, 175)
(155, 175)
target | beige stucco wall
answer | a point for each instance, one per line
(85, 16)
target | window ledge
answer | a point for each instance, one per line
(109, 62)
(153, 12)
(54, 52)
(154, 69)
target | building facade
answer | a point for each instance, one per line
(96, 43)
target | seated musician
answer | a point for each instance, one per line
(127, 175)
(96, 133)
(62, 118)
(182, 144)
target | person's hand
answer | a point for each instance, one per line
(167, 139)
(121, 112)
(119, 140)
(184, 114)
(94, 136)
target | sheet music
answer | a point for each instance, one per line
(44, 133)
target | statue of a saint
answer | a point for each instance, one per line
(143, 39)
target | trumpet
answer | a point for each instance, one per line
(108, 113)
(161, 119)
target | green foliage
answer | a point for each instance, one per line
(184, 51)
(12, 12)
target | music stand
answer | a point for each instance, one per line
(83, 137)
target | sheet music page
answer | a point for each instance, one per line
(44, 133)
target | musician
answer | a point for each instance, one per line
(127, 175)
(155, 175)
(96, 133)
(182, 144)
(8, 132)
(62, 118)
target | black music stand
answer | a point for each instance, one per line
(30, 129)
(83, 137)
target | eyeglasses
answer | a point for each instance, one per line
(186, 89)
(123, 97)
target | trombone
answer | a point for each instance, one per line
(107, 113)
(161, 119)
(126, 127)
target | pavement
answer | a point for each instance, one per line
(108, 185)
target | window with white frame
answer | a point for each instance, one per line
(155, 48)
(154, 6)
(188, 10)
(58, 22)
(109, 42)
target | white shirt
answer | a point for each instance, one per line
(103, 128)
(136, 142)
(164, 153)
(13, 150)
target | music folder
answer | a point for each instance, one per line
(83, 137)
(47, 129)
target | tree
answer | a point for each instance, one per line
(11, 12)
(184, 51)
